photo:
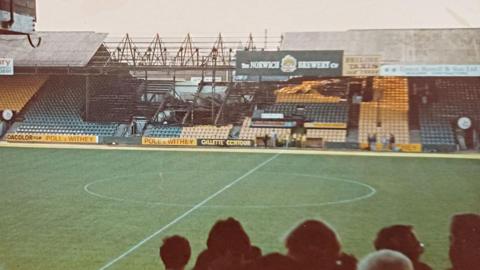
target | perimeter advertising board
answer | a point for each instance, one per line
(430, 70)
(225, 143)
(325, 125)
(169, 141)
(290, 63)
(407, 147)
(6, 66)
(52, 138)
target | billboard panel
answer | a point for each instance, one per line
(430, 70)
(52, 138)
(225, 143)
(361, 65)
(169, 141)
(6, 66)
(290, 63)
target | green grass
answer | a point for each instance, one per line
(48, 221)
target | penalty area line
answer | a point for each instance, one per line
(191, 210)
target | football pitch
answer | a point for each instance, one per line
(97, 209)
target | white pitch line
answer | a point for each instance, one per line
(161, 180)
(176, 220)
(300, 205)
(252, 150)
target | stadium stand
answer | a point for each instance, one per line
(443, 105)
(58, 109)
(305, 98)
(206, 132)
(249, 133)
(310, 92)
(112, 98)
(387, 113)
(328, 135)
(318, 112)
(163, 132)
(322, 91)
(16, 91)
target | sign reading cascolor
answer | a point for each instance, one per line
(290, 63)
(52, 138)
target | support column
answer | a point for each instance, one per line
(214, 73)
(145, 97)
(87, 97)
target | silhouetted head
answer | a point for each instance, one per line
(400, 238)
(253, 254)
(313, 244)
(228, 236)
(385, 260)
(465, 241)
(175, 252)
(275, 261)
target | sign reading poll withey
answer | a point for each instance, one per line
(289, 63)
(6, 66)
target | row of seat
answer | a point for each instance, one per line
(250, 133)
(58, 107)
(318, 112)
(450, 99)
(320, 91)
(106, 130)
(207, 132)
(306, 98)
(163, 132)
(387, 113)
(328, 135)
(16, 91)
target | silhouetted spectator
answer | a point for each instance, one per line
(314, 245)
(372, 142)
(402, 238)
(228, 247)
(465, 242)
(385, 260)
(385, 143)
(254, 253)
(133, 128)
(175, 252)
(274, 138)
(274, 261)
(369, 141)
(265, 140)
(393, 146)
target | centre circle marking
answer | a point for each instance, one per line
(370, 193)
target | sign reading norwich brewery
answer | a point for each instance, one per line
(6, 66)
(430, 70)
(290, 63)
(361, 65)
